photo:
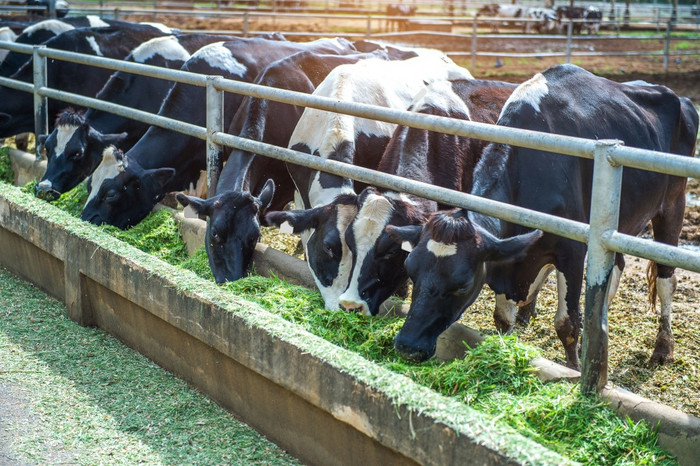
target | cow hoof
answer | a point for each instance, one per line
(663, 350)
(525, 314)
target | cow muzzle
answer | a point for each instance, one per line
(354, 305)
(45, 191)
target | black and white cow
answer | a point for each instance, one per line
(541, 20)
(7, 35)
(40, 32)
(421, 155)
(588, 18)
(327, 202)
(179, 158)
(457, 252)
(74, 148)
(234, 213)
(505, 12)
(593, 17)
(114, 42)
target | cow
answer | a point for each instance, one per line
(7, 35)
(397, 16)
(177, 158)
(588, 18)
(541, 20)
(247, 183)
(114, 42)
(40, 32)
(506, 13)
(325, 202)
(74, 148)
(456, 252)
(592, 18)
(439, 159)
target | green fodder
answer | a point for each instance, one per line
(158, 234)
(73, 200)
(7, 175)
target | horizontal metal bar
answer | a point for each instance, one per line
(670, 164)
(186, 77)
(15, 47)
(126, 112)
(652, 250)
(14, 84)
(556, 225)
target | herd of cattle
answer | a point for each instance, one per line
(362, 243)
(544, 20)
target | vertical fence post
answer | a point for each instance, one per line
(605, 212)
(41, 113)
(215, 122)
(569, 40)
(368, 33)
(667, 46)
(474, 37)
(245, 23)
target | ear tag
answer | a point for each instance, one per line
(406, 246)
(286, 227)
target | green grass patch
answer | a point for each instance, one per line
(7, 175)
(495, 378)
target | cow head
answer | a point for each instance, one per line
(323, 235)
(122, 193)
(377, 260)
(448, 265)
(73, 151)
(233, 228)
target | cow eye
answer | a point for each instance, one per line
(328, 250)
(111, 196)
(464, 288)
(76, 155)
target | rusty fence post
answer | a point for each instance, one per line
(41, 111)
(215, 122)
(605, 212)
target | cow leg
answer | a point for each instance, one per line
(504, 315)
(527, 310)
(615, 276)
(667, 228)
(567, 320)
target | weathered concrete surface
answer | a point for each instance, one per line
(274, 380)
(26, 167)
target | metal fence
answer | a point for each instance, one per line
(609, 157)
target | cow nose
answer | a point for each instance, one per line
(351, 305)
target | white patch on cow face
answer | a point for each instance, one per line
(94, 46)
(63, 134)
(345, 215)
(218, 56)
(440, 249)
(96, 22)
(167, 47)
(8, 35)
(160, 26)
(530, 92)
(53, 25)
(109, 168)
(369, 224)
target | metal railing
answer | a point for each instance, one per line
(609, 157)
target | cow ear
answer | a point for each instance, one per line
(509, 249)
(200, 206)
(409, 234)
(157, 178)
(298, 220)
(115, 139)
(266, 194)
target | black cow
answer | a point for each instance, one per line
(74, 148)
(114, 42)
(233, 226)
(326, 202)
(457, 252)
(417, 154)
(588, 18)
(397, 16)
(177, 159)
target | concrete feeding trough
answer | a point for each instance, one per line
(318, 401)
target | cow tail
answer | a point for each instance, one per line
(652, 273)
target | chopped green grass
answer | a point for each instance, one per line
(496, 377)
(6, 173)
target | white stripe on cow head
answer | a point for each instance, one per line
(167, 47)
(110, 167)
(345, 214)
(530, 92)
(96, 22)
(93, 44)
(369, 224)
(63, 135)
(218, 56)
(54, 25)
(440, 249)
